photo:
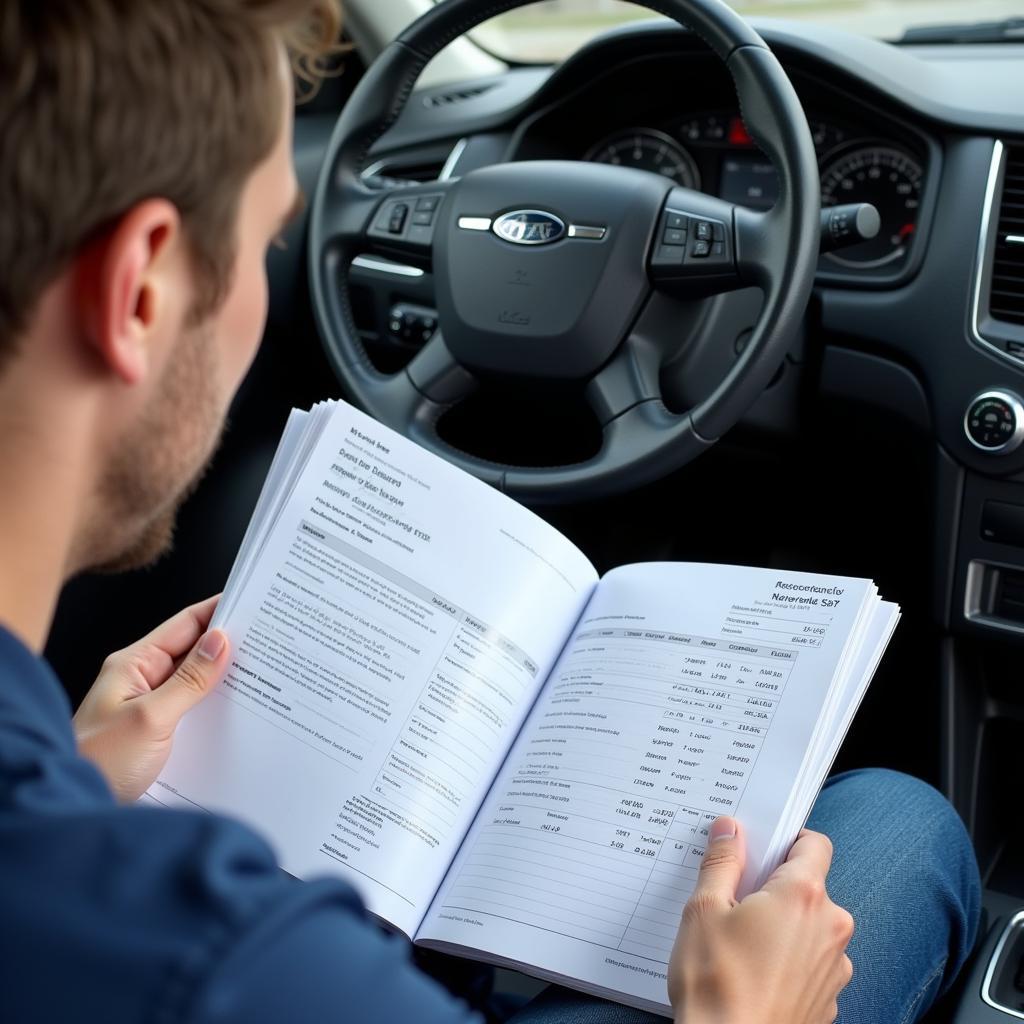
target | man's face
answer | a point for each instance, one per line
(170, 443)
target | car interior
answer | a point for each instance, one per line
(781, 324)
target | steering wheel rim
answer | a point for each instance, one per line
(642, 439)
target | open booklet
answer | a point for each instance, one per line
(432, 695)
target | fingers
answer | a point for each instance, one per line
(721, 868)
(811, 851)
(807, 864)
(180, 632)
(153, 657)
(147, 664)
(193, 679)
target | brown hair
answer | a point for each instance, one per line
(105, 103)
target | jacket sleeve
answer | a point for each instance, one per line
(317, 960)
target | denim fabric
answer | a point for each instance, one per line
(903, 866)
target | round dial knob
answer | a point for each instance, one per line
(994, 422)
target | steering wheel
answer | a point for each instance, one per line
(543, 267)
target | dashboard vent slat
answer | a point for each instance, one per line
(1006, 292)
(445, 99)
(1009, 597)
(415, 172)
(393, 172)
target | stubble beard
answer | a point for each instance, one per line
(160, 462)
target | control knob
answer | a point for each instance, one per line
(994, 422)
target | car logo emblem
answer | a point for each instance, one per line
(529, 227)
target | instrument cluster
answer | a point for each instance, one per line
(713, 152)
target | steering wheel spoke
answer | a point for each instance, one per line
(760, 237)
(405, 220)
(437, 375)
(398, 222)
(414, 399)
(631, 377)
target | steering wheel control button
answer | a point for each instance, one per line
(396, 222)
(994, 422)
(667, 257)
(383, 218)
(689, 239)
(411, 325)
(409, 219)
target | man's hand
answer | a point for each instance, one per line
(126, 723)
(776, 957)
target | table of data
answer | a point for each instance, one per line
(599, 822)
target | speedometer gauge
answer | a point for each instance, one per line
(650, 151)
(890, 180)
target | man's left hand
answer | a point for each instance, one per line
(126, 723)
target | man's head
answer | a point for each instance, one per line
(146, 168)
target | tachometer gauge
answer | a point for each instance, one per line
(650, 151)
(890, 180)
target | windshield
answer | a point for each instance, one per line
(551, 30)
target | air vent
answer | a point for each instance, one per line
(995, 596)
(450, 96)
(404, 171)
(1006, 295)
(1009, 596)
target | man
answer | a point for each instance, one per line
(146, 167)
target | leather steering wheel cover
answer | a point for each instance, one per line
(647, 441)
(772, 113)
(718, 25)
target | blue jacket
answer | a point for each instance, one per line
(115, 914)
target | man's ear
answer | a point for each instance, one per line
(126, 282)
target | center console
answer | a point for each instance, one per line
(994, 993)
(983, 713)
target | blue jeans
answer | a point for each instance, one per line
(903, 866)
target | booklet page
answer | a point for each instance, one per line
(845, 698)
(391, 624)
(686, 691)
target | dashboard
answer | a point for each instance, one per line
(912, 327)
(913, 321)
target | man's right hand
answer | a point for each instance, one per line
(776, 957)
